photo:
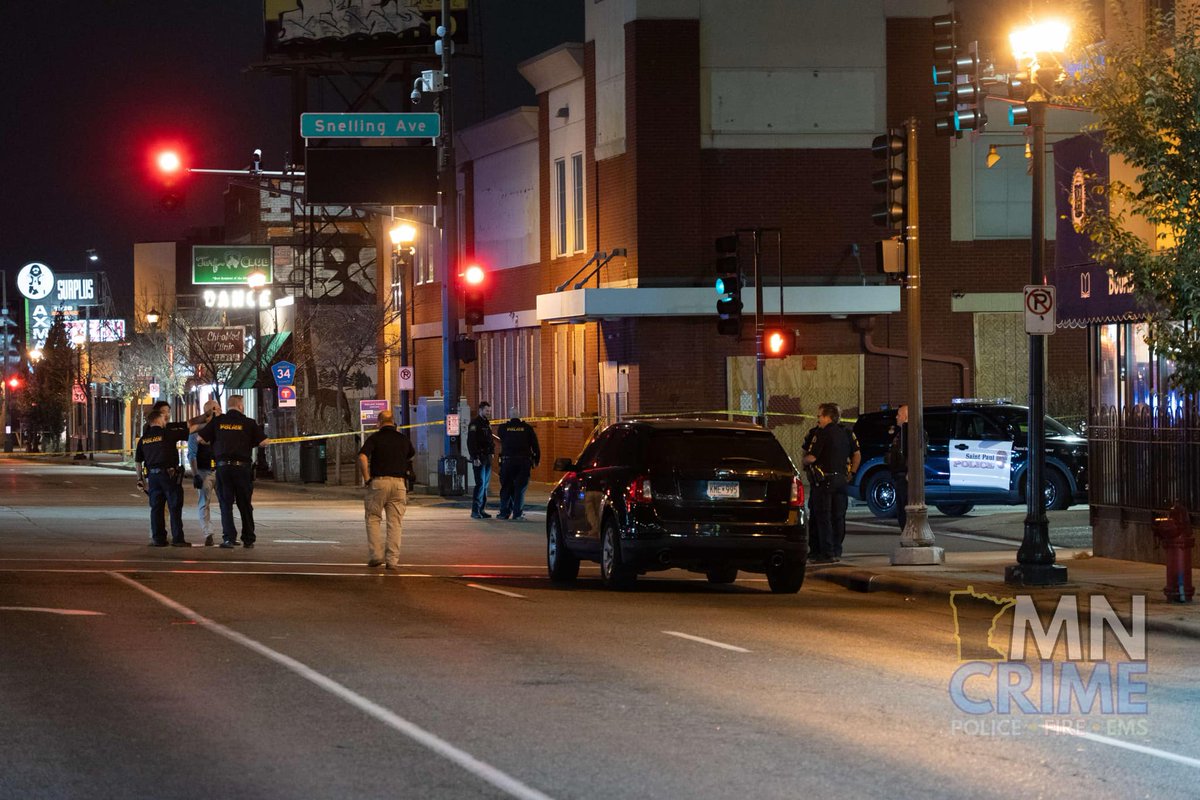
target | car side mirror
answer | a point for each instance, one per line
(563, 465)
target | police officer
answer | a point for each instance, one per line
(897, 463)
(833, 458)
(204, 474)
(165, 407)
(160, 476)
(234, 436)
(481, 447)
(519, 453)
(385, 463)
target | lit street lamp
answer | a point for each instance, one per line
(152, 318)
(1035, 559)
(403, 236)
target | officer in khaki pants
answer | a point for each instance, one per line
(385, 462)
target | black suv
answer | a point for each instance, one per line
(711, 497)
(975, 452)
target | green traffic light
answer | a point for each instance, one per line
(720, 286)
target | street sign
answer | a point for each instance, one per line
(1040, 310)
(78, 395)
(336, 125)
(287, 396)
(407, 380)
(284, 373)
(154, 387)
(35, 280)
(452, 425)
(368, 412)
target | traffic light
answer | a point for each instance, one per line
(169, 172)
(890, 180)
(729, 286)
(466, 349)
(14, 382)
(958, 91)
(779, 342)
(474, 280)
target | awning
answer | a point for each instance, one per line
(1090, 293)
(243, 376)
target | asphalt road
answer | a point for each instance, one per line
(294, 671)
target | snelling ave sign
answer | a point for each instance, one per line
(335, 125)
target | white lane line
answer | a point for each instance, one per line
(483, 771)
(66, 612)
(305, 541)
(1137, 748)
(710, 642)
(977, 538)
(131, 494)
(497, 591)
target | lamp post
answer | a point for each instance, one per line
(403, 236)
(256, 281)
(1035, 559)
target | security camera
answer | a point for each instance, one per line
(257, 154)
(416, 95)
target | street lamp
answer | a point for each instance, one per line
(256, 281)
(152, 318)
(1035, 559)
(403, 235)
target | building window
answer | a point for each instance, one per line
(560, 207)
(577, 200)
(508, 370)
(569, 371)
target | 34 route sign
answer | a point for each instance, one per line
(284, 373)
(1041, 310)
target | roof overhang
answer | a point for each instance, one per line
(581, 305)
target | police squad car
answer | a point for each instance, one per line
(976, 452)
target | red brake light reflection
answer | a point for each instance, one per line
(797, 498)
(639, 492)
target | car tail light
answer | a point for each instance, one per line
(797, 498)
(639, 492)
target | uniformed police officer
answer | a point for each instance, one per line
(833, 458)
(165, 407)
(519, 453)
(160, 475)
(481, 447)
(385, 462)
(234, 436)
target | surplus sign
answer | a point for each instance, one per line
(229, 264)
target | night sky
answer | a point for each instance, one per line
(93, 86)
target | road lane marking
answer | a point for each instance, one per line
(305, 541)
(1137, 748)
(484, 771)
(709, 642)
(497, 591)
(66, 612)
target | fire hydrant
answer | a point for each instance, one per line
(1174, 533)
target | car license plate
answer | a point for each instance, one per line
(723, 490)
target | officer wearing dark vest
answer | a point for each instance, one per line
(160, 474)
(481, 447)
(234, 436)
(833, 458)
(519, 453)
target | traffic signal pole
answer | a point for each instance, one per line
(448, 217)
(916, 541)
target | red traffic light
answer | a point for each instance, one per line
(778, 342)
(474, 275)
(14, 382)
(168, 162)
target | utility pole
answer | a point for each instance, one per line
(916, 541)
(448, 216)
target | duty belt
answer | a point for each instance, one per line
(157, 470)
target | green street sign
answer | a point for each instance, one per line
(336, 125)
(229, 263)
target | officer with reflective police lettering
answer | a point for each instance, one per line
(519, 453)
(234, 436)
(160, 475)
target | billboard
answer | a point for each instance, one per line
(217, 345)
(230, 263)
(295, 29)
(395, 176)
(97, 330)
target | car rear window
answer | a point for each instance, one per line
(700, 448)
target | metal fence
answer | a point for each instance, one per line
(1140, 459)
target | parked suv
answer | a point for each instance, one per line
(711, 497)
(975, 452)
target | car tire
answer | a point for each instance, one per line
(786, 578)
(955, 509)
(722, 575)
(561, 563)
(1057, 492)
(614, 572)
(880, 493)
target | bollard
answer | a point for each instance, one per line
(1174, 533)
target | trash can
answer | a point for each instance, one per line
(312, 461)
(452, 476)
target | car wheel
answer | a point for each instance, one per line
(614, 572)
(955, 509)
(880, 494)
(561, 563)
(787, 578)
(722, 575)
(1056, 491)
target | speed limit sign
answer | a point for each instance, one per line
(406, 382)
